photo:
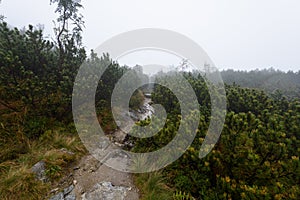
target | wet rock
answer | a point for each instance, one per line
(106, 191)
(67, 194)
(59, 196)
(70, 197)
(39, 170)
(68, 190)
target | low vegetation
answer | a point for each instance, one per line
(58, 148)
(257, 156)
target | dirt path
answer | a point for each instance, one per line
(94, 180)
(90, 179)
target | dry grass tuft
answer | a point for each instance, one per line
(58, 148)
(153, 187)
(19, 183)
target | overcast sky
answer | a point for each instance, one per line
(237, 34)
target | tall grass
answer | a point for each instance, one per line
(17, 182)
(152, 187)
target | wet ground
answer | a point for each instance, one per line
(94, 180)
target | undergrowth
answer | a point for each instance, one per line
(58, 148)
(152, 186)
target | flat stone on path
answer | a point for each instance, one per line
(106, 191)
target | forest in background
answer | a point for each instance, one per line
(257, 156)
(274, 82)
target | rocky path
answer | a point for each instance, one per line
(92, 180)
